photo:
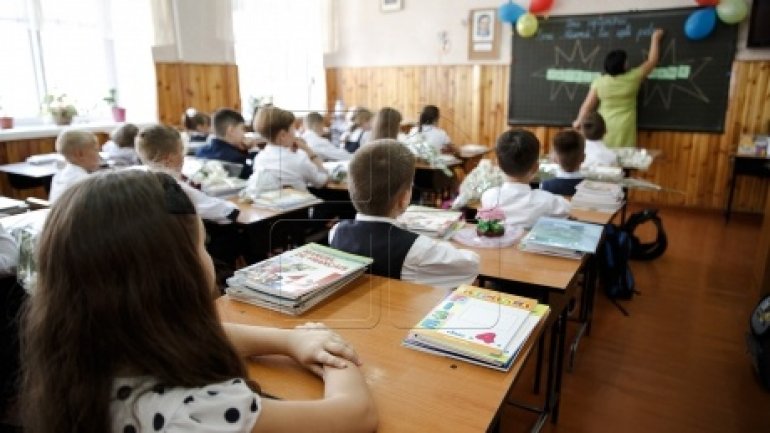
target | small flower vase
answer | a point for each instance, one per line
(119, 114)
(6, 122)
(61, 118)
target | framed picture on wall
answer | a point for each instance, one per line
(484, 34)
(391, 5)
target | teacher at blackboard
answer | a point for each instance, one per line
(615, 92)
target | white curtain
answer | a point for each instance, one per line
(279, 51)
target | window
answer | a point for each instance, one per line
(279, 52)
(81, 48)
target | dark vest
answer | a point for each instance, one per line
(387, 244)
(223, 151)
(351, 145)
(560, 185)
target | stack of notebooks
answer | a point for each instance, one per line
(432, 222)
(285, 199)
(296, 280)
(600, 196)
(479, 326)
(562, 237)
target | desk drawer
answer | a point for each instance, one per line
(759, 167)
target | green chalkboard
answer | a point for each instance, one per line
(552, 71)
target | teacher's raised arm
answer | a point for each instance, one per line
(615, 94)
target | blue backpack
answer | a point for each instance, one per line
(614, 270)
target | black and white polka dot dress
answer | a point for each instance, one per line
(144, 405)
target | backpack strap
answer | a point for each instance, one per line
(646, 250)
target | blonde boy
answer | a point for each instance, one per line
(517, 154)
(81, 151)
(161, 149)
(313, 135)
(380, 182)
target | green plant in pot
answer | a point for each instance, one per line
(490, 222)
(118, 112)
(60, 108)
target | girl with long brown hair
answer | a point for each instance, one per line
(122, 334)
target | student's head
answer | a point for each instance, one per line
(593, 126)
(569, 147)
(125, 135)
(276, 125)
(125, 288)
(361, 118)
(386, 124)
(195, 121)
(615, 62)
(229, 126)
(314, 122)
(380, 178)
(517, 153)
(79, 148)
(429, 115)
(160, 146)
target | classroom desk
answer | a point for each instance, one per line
(23, 175)
(745, 165)
(251, 214)
(414, 391)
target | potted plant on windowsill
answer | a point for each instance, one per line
(118, 112)
(6, 122)
(62, 111)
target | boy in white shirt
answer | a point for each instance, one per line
(81, 151)
(380, 182)
(597, 153)
(568, 146)
(120, 147)
(288, 159)
(313, 136)
(517, 155)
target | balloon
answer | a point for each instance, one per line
(510, 12)
(707, 2)
(732, 11)
(527, 25)
(700, 23)
(538, 6)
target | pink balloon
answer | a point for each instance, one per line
(707, 2)
(539, 6)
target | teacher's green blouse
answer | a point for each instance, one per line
(617, 104)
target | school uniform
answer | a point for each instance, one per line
(564, 183)
(223, 151)
(401, 254)
(291, 168)
(324, 148)
(355, 139)
(433, 135)
(522, 205)
(122, 156)
(597, 154)
(65, 178)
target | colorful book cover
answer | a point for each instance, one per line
(475, 320)
(564, 234)
(300, 271)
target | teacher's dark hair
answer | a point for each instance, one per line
(615, 62)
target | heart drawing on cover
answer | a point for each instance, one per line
(487, 337)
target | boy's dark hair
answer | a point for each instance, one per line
(378, 173)
(569, 145)
(125, 135)
(429, 116)
(386, 124)
(225, 118)
(272, 120)
(193, 118)
(615, 62)
(157, 142)
(593, 126)
(517, 152)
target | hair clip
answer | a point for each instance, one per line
(190, 112)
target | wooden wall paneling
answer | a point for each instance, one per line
(170, 93)
(206, 87)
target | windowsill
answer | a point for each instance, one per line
(50, 130)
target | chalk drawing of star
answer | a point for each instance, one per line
(578, 58)
(665, 88)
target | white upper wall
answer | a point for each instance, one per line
(193, 31)
(362, 35)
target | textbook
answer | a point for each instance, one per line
(285, 199)
(433, 222)
(477, 325)
(296, 274)
(600, 196)
(562, 237)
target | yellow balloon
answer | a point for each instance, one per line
(526, 25)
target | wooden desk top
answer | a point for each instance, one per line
(30, 170)
(414, 391)
(592, 216)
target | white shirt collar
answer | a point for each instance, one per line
(569, 175)
(372, 218)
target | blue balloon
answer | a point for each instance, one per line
(700, 23)
(510, 12)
